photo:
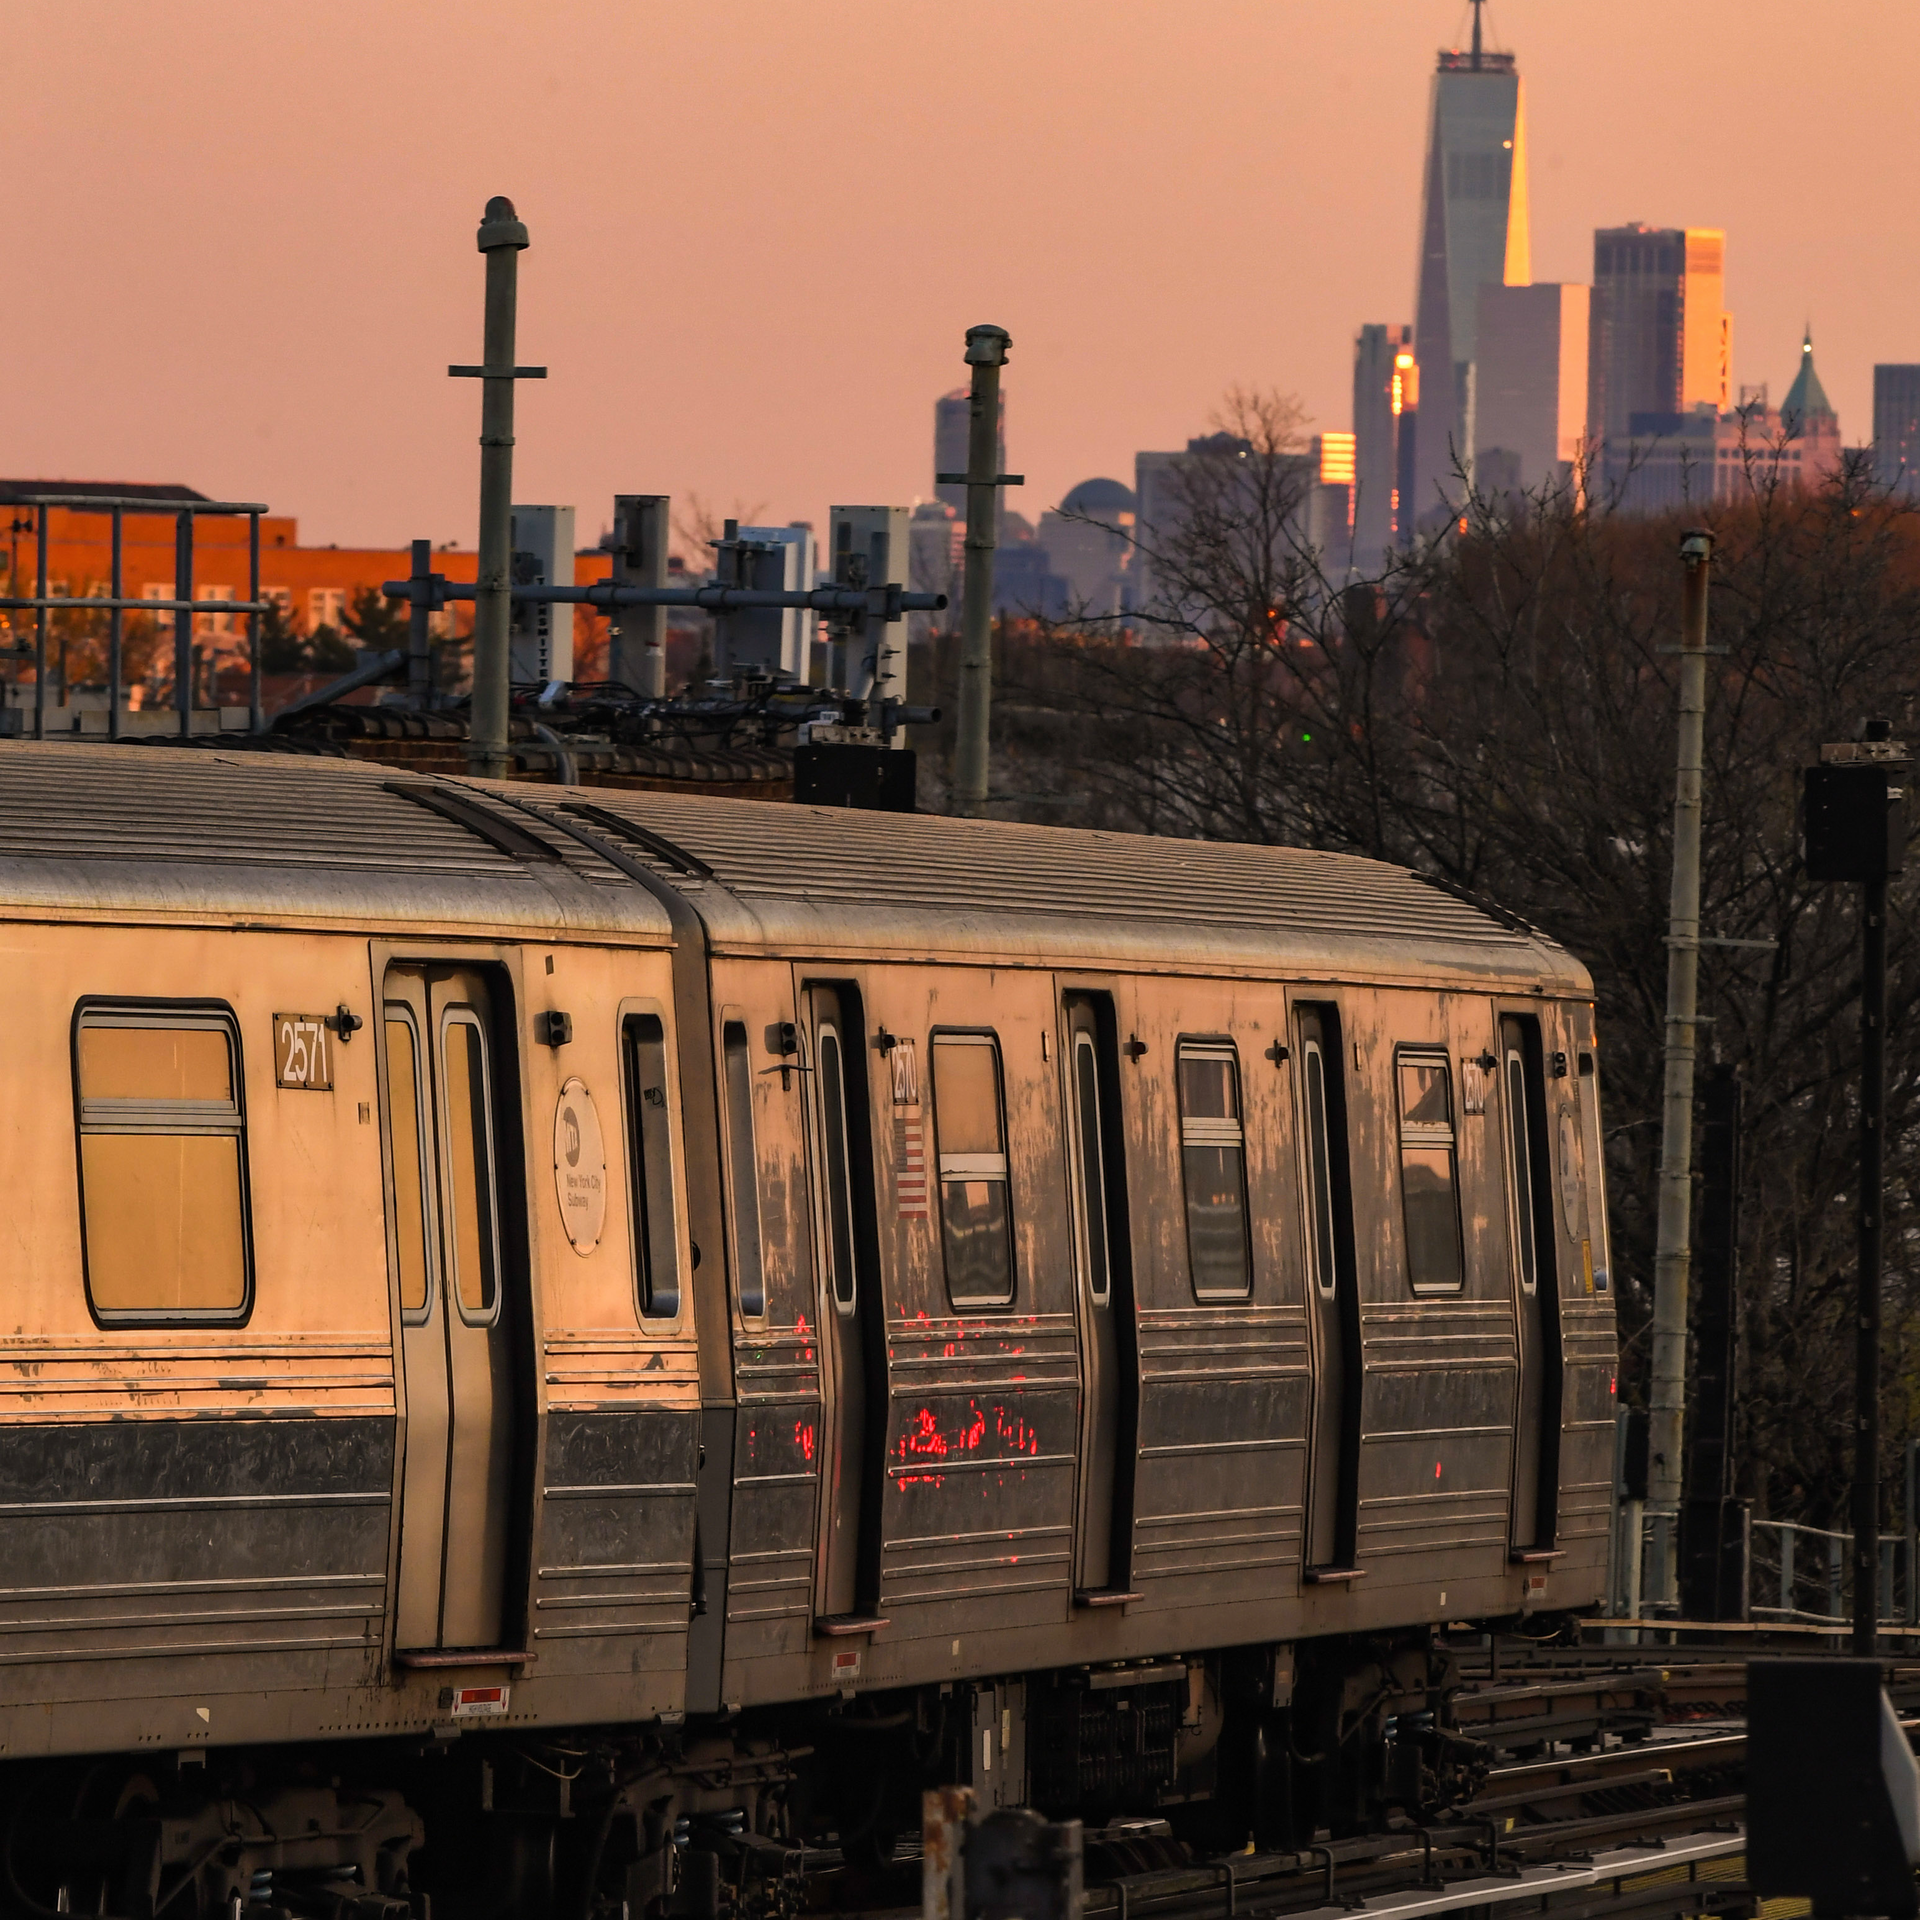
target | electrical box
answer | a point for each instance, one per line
(540, 646)
(768, 639)
(1833, 1797)
(868, 547)
(1855, 819)
(870, 774)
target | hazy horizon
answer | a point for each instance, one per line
(246, 236)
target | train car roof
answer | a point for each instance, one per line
(213, 834)
(207, 834)
(823, 881)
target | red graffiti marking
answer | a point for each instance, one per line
(803, 1438)
(926, 1440)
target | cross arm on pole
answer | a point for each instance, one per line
(887, 602)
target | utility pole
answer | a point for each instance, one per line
(502, 239)
(986, 355)
(1855, 816)
(1866, 1360)
(1667, 1409)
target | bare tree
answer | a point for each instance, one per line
(1495, 709)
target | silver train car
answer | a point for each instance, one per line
(557, 1344)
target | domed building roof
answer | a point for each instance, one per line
(1099, 499)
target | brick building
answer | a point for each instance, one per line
(315, 585)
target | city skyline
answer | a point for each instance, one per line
(1175, 204)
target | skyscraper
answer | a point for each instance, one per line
(1473, 233)
(1661, 337)
(1530, 384)
(1379, 395)
(951, 413)
(950, 447)
(1896, 426)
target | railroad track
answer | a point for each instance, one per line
(1649, 1828)
(1616, 1790)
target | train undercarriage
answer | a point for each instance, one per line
(1277, 1745)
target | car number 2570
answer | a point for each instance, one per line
(302, 1055)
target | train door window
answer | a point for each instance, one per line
(1093, 1168)
(1213, 1159)
(163, 1201)
(743, 1172)
(412, 1156)
(970, 1132)
(1320, 1167)
(1520, 1168)
(1429, 1184)
(656, 1252)
(835, 1153)
(1596, 1172)
(473, 1237)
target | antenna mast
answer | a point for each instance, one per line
(1477, 5)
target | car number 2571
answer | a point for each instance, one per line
(302, 1055)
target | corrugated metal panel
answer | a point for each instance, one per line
(157, 829)
(125, 803)
(162, 830)
(914, 860)
(967, 884)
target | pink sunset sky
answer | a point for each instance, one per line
(243, 245)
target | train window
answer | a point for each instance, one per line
(970, 1130)
(743, 1172)
(836, 1153)
(1520, 1165)
(1213, 1161)
(1320, 1167)
(473, 1225)
(163, 1202)
(656, 1251)
(1429, 1187)
(1093, 1168)
(411, 1158)
(1596, 1173)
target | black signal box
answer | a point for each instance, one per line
(847, 774)
(1855, 820)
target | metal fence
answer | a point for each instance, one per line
(116, 605)
(1805, 1574)
(1778, 1570)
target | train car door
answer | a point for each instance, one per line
(442, 1088)
(855, 1417)
(1109, 1353)
(1333, 1498)
(1536, 1440)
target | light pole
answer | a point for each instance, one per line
(502, 238)
(986, 355)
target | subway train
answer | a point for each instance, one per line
(561, 1347)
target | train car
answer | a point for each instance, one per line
(559, 1343)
